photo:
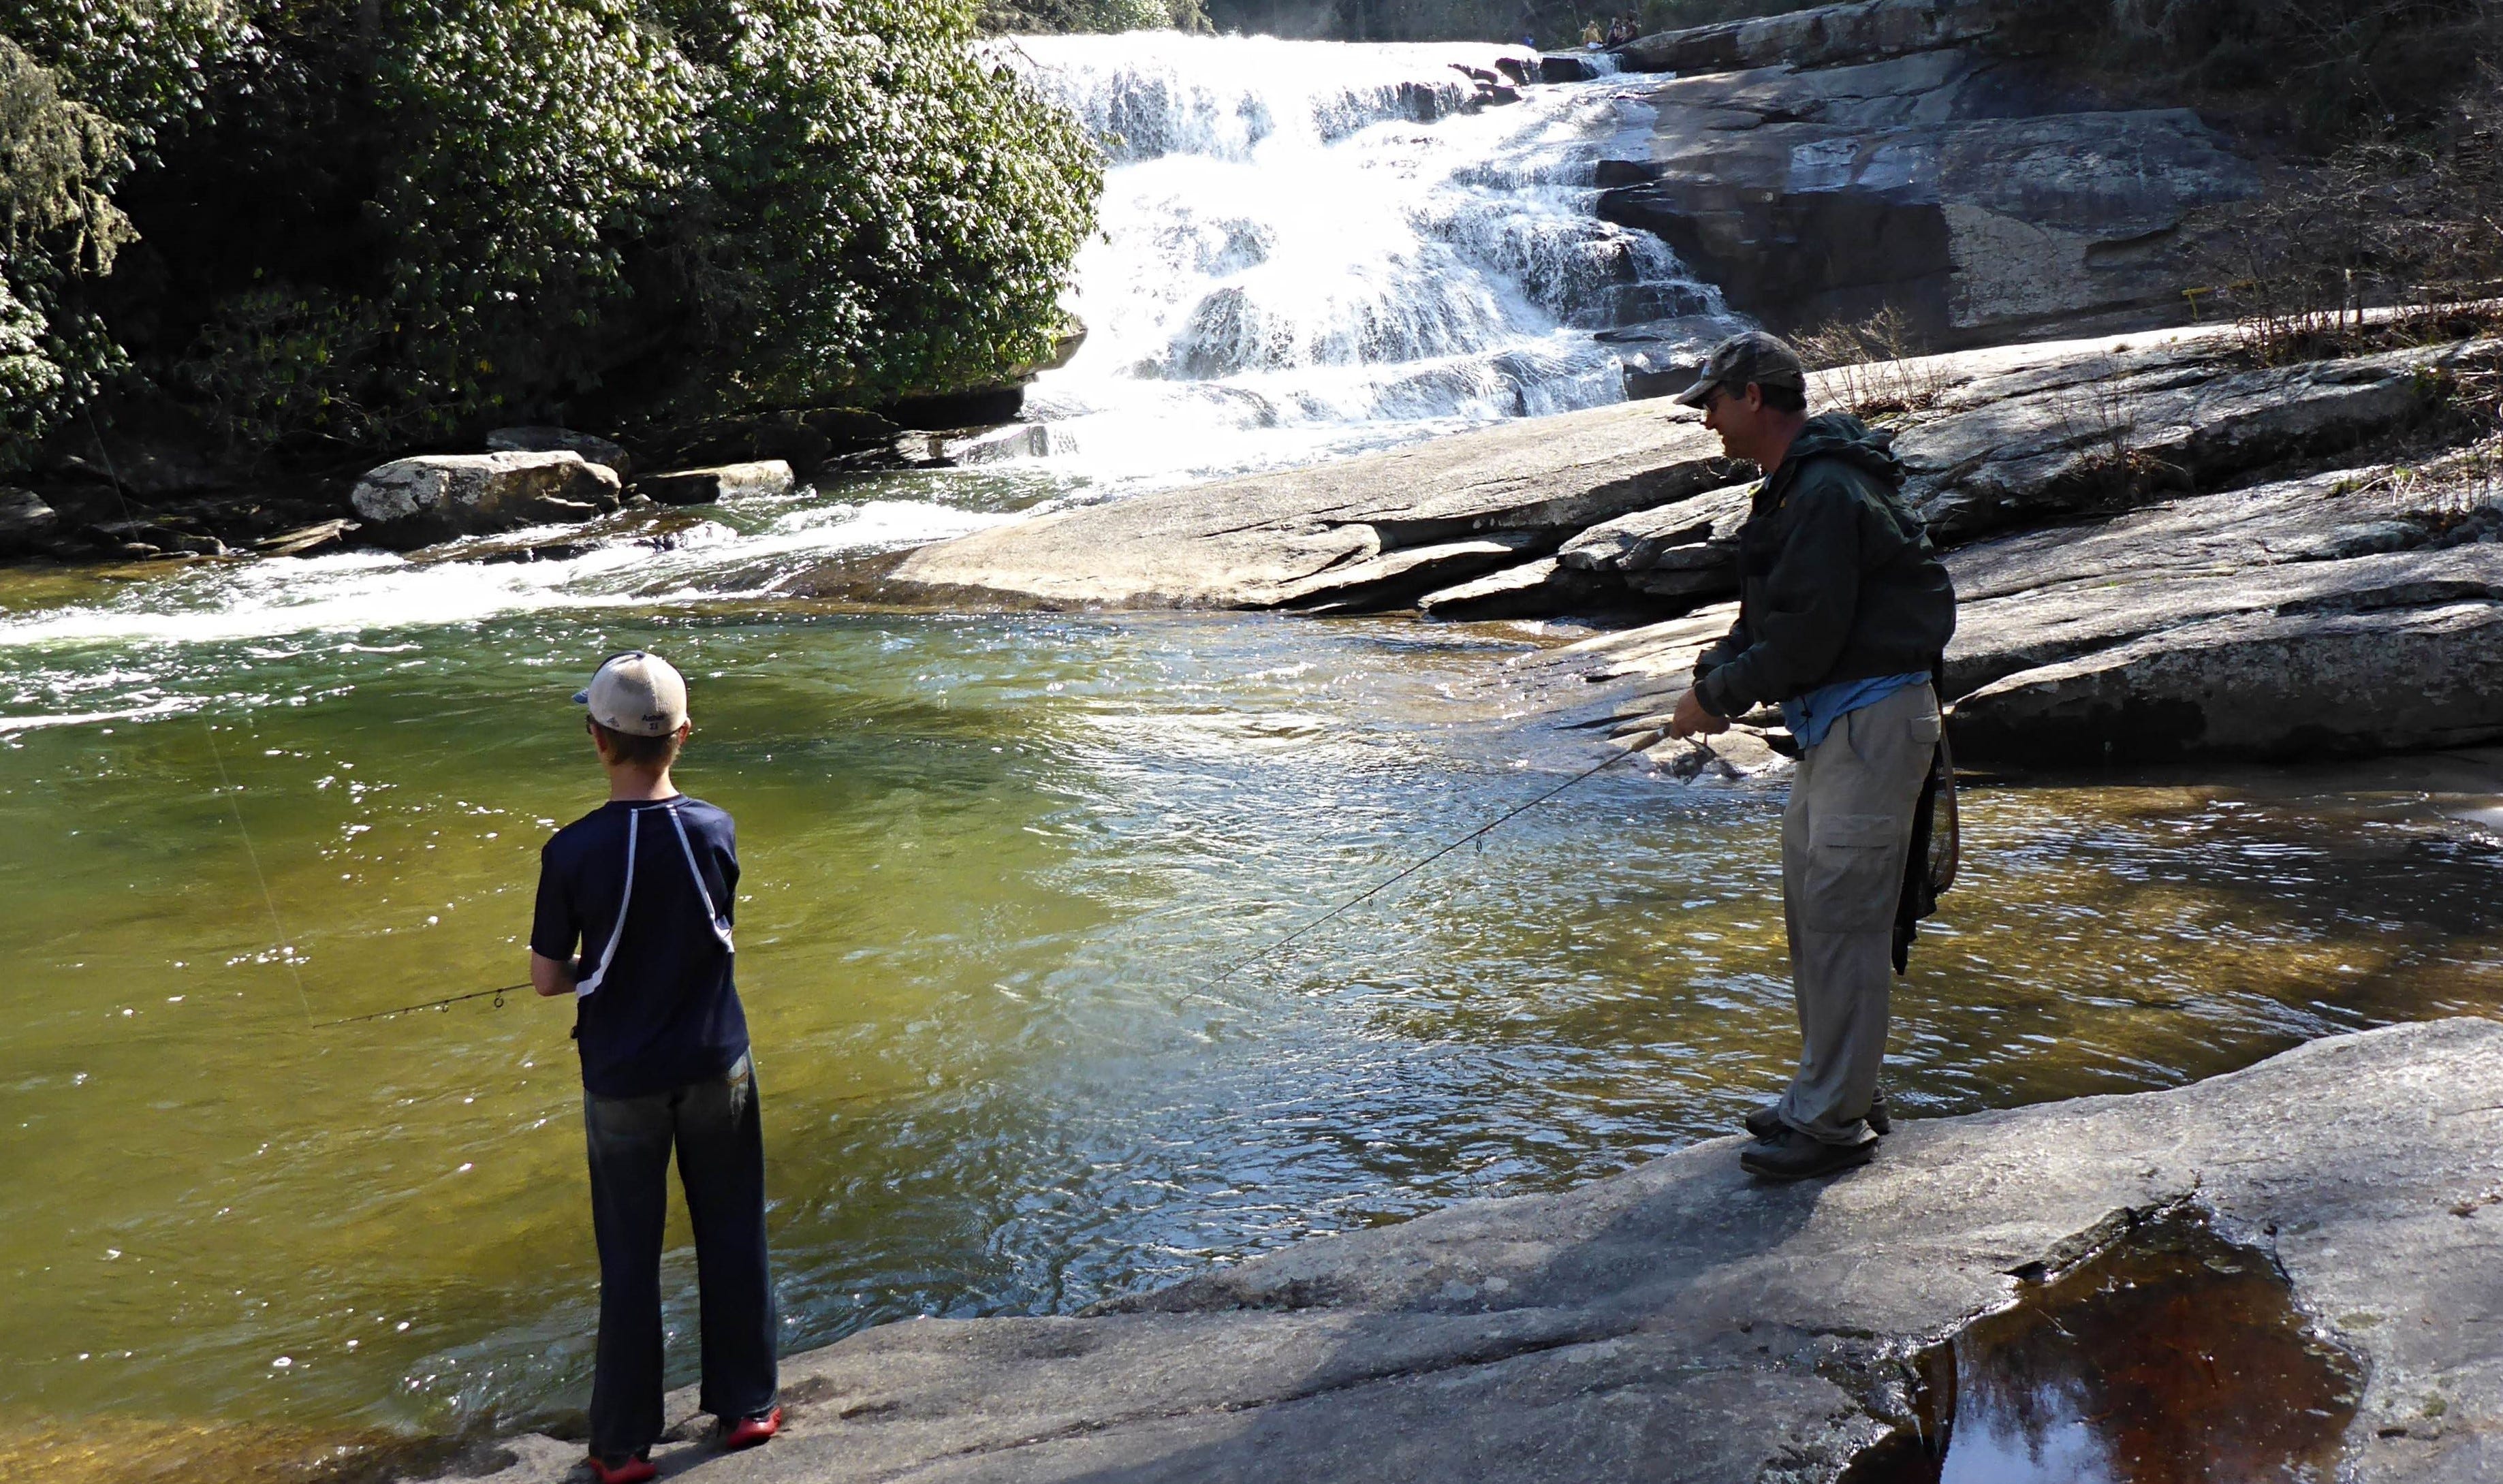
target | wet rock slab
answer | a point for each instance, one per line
(1977, 187)
(1379, 530)
(1682, 1321)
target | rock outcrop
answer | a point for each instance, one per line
(722, 481)
(2149, 620)
(1825, 36)
(542, 439)
(1375, 531)
(26, 522)
(412, 502)
(1681, 1322)
(1924, 155)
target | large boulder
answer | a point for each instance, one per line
(722, 481)
(1684, 550)
(26, 523)
(1529, 590)
(411, 502)
(542, 439)
(2296, 683)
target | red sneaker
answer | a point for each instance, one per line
(633, 1471)
(748, 1431)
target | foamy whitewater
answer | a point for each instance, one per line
(1307, 250)
(1310, 249)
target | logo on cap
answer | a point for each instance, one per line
(637, 694)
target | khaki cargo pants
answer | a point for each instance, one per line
(1844, 835)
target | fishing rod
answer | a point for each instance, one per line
(444, 1003)
(1632, 748)
(1222, 975)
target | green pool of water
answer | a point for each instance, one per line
(990, 865)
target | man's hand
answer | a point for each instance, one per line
(1691, 718)
(549, 977)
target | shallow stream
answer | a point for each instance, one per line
(991, 866)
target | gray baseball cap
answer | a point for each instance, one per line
(636, 695)
(1766, 360)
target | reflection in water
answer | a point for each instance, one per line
(2174, 1357)
(990, 863)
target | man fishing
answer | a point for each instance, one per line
(1843, 613)
(644, 886)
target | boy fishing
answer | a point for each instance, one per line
(644, 886)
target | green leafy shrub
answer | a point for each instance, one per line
(876, 212)
(1026, 17)
(58, 162)
(142, 64)
(363, 224)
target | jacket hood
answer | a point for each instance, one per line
(1840, 435)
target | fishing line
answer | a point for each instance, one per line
(1388, 882)
(286, 949)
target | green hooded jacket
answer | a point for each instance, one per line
(1838, 581)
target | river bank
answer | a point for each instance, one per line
(989, 849)
(985, 856)
(2164, 546)
(1683, 1322)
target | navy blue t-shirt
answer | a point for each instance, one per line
(661, 1010)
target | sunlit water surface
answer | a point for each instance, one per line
(990, 866)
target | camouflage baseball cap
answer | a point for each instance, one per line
(1766, 360)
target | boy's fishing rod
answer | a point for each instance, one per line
(1632, 748)
(448, 1000)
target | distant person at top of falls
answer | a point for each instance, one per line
(644, 886)
(1591, 38)
(1844, 612)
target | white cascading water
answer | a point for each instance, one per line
(1312, 248)
(1307, 250)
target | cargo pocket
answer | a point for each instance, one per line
(1855, 870)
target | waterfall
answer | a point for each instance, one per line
(1312, 248)
(1307, 250)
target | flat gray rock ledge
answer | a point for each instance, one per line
(1682, 1321)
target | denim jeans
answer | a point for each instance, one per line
(720, 1144)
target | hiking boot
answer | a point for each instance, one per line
(748, 1431)
(1767, 1120)
(1794, 1155)
(622, 1471)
